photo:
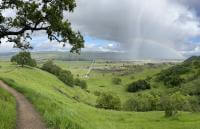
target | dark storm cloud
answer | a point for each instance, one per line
(192, 4)
(135, 23)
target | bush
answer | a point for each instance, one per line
(51, 68)
(116, 81)
(171, 77)
(108, 101)
(81, 83)
(194, 102)
(24, 58)
(173, 81)
(172, 103)
(143, 103)
(138, 86)
(66, 77)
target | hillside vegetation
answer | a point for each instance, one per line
(65, 107)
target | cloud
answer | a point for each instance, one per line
(46, 45)
(133, 23)
(143, 28)
(191, 4)
(7, 47)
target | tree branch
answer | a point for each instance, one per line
(26, 28)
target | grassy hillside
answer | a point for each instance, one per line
(7, 110)
(64, 107)
(100, 78)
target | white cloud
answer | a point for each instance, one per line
(7, 47)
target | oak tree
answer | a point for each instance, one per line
(45, 16)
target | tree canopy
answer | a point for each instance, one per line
(24, 58)
(46, 16)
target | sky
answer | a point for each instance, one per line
(142, 28)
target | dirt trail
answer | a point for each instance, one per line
(27, 117)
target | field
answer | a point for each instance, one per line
(73, 108)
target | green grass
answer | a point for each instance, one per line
(7, 110)
(57, 106)
(101, 81)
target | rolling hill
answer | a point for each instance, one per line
(64, 107)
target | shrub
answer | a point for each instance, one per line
(108, 101)
(66, 77)
(138, 86)
(171, 77)
(97, 93)
(51, 68)
(173, 81)
(143, 102)
(81, 83)
(116, 81)
(194, 103)
(24, 58)
(172, 103)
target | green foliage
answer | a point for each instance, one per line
(194, 103)
(46, 16)
(192, 59)
(196, 63)
(66, 77)
(51, 68)
(24, 58)
(13, 59)
(116, 81)
(108, 101)
(81, 83)
(192, 88)
(143, 103)
(138, 86)
(171, 77)
(172, 103)
(32, 63)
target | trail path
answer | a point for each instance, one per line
(27, 117)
